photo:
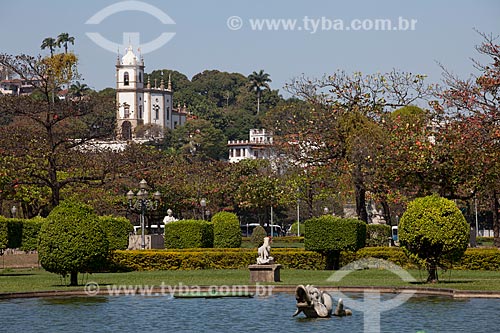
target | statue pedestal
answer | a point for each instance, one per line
(151, 242)
(264, 273)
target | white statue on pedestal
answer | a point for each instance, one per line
(263, 252)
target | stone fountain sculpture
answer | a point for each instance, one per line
(263, 253)
(265, 270)
(317, 304)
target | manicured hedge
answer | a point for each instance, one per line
(210, 259)
(19, 233)
(185, 234)
(480, 259)
(117, 230)
(31, 229)
(227, 232)
(329, 233)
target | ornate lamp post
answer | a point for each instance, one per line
(143, 204)
(203, 203)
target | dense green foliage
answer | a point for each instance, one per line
(258, 235)
(329, 235)
(295, 228)
(378, 234)
(72, 241)
(19, 234)
(117, 231)
(434, 233)
(184, 259)
(211, 259)
(227, 232)
(189, 234)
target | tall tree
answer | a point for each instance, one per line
(341, 124)
(46, 134)
(258, 83)
(49, 43)
(478, 98)
(63, 39)
(78, 89)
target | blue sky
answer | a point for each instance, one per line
(443, 33)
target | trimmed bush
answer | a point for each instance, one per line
(72, 241)
(209, 258)
(258, 235)
(188, 259)
(294, 229)
(434, 233)
(117, 230)
(329, 235)
(19, 233)
(480, 259)
(185, 234)
(30, 233)
(4, 233)
(227, 232)
(378, 234)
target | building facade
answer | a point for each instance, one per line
(258, 146)
(140, 103)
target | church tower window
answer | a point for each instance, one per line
(126, 111)
(140, 111)
(140, 77)
(125, 79)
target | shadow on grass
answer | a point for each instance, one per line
(15, 274)
(441, 282)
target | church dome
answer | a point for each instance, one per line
(129, 58)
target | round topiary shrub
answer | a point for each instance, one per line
(227, 231)
(258, 235)
(295, 229)
(434, 233)
(72, 241)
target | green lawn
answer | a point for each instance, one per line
(39, 280)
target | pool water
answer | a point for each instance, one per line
(259, 314)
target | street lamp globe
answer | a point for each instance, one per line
(143, 184)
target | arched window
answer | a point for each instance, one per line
(140, 77)
(125, 79)
(140, 111)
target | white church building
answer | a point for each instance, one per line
(139, 103)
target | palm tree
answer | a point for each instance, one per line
(78, 89)
(258, 82)
(63, 39)
(50, 43)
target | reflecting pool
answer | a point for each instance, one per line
(259, 314)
